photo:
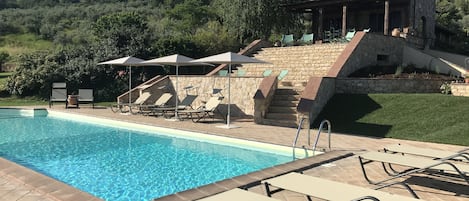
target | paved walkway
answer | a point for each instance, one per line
(17, 184)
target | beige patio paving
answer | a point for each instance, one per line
(18, 184)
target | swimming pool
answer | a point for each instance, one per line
(125, 161)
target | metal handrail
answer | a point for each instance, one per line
(309, 135)
(319, 133)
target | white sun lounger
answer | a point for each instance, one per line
(329, 190)
(238, 195)
(416, 165)
(462, 155)
(162, 101)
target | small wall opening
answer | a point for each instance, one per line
(382, 59)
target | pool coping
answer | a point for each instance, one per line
(49, 187)
(253, 179)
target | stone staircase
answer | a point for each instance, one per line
(282, 109)
(300, 61)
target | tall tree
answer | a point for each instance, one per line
(122, 34)
(249, 19)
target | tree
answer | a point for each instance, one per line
(4, 56)
(250, 20)
(122, 34)
(448, 14)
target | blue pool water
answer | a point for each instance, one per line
(120, 164)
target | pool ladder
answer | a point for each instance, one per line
(321, 126)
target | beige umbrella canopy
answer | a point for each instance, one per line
(174, 60)
(125, 61)
(228, 58)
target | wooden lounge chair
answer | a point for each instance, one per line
(58, 93)
(461, 155)
(162, 101)
(329, 190)
(205, 111)
(139, 101)
(86, 96)
(238, 195)
(416, 165)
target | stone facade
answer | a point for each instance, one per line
(460, 89)
(373, 50)
(242, 91)
(366, 86)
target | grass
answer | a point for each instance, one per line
(421, 117)
(16, 44)
(23, 101)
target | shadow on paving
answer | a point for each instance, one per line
(439, 183)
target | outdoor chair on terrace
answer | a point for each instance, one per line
(307, 39)
(349, 35)
(223, 73)
(282, 74)
(287, 40)
(162, 101)
(237, 195)
(139, 101)
(205, 111)
(415, 165)
(241, 72)
(86, 96)
(332, 190)
(58, 93)
(267, 72)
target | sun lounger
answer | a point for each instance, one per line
(238, 195)
(139, 101)
(461, 155)
(205, 111)
(86, 96)
(58, 93)
(329, 190)
(415, 164)
(162, 101)
(185, 104)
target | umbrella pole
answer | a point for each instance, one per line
(130, 86)
(176, 93)
(229, 97)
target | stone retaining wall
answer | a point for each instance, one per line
(242, 91)
(460, 89)
(365, 86)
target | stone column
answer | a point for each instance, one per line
(320, 24)
(386, 17)
(344, 20)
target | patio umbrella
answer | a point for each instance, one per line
(125, 61)
(228, 58)
(175, 60)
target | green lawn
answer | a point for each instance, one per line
(420, 117)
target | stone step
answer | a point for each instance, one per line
(286, 97)
(285, 103)
(287, 91)
(282, 109)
